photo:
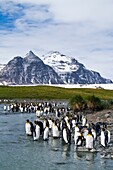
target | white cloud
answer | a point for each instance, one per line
(72, 10)
(83, 10)
(80, 28)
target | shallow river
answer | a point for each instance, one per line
(18, 152)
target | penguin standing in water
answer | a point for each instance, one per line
(55, 130)
(94, 135)
(80, 138)
(50, 123)
(107, 135)
(32, 129)
(89, 140)
(37, 130)
(45, 123)
(102, 137)
(5, 107)
(28, 128)
(41, 127)
(76, 133)
(66, 135)
(46, 133)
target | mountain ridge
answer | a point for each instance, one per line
(71, 70)
(28, 70)
(52, 68)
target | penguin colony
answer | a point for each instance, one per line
(60, 122)
(70, 127)
(70, 130)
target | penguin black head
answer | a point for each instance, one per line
(27, 120)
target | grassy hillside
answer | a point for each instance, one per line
(48, 92)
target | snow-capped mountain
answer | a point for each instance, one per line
(71, 71)
(28, 70)
(2, 66)
(52, 68)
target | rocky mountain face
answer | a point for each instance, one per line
(52, 68)
(29, 70)
(71, 71)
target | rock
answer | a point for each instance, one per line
(107, 115)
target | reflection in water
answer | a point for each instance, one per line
(85, 155)
(78, 155)
(90, 156)
(54, 143)
(65, 151)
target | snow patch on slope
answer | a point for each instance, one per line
(60, 63)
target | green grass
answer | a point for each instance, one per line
(49, 92)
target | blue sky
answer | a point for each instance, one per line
(78, 28)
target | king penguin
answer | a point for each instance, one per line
(37, 131)
(28, 128)
(46, 133)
